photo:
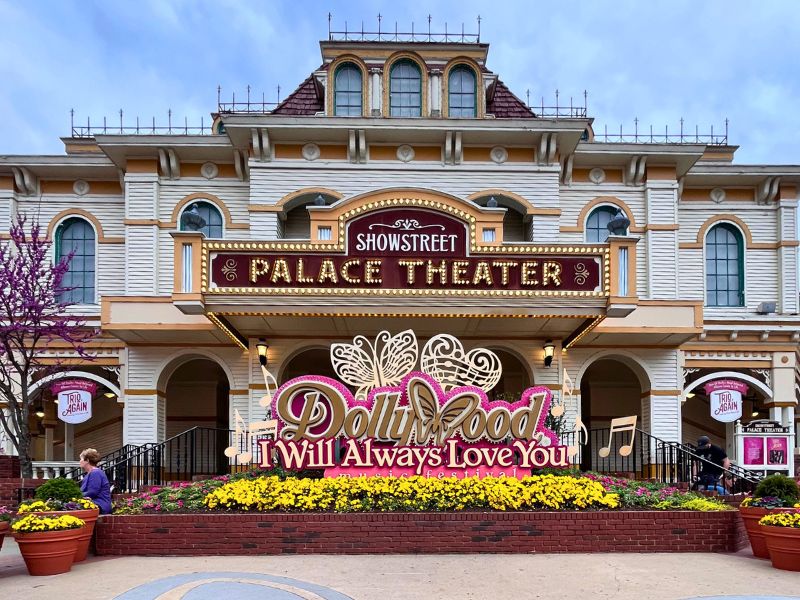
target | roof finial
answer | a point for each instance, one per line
(479, 28)
(330, 35)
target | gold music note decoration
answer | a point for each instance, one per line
(621, 424)
(567, 389)
(241, 450)
(271, 385)
(572, 451)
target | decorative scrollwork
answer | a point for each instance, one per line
(765, 374)
(406, 225)
(581, 273)
(444, 359)
(229, 269)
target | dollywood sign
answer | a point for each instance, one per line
(435, 420)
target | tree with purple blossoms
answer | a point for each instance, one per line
(33, 316)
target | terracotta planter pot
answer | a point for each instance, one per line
(4, 527)
(48, 552)
(783, 544)
(751, 516)
(85, 539)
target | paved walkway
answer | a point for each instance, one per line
(380, 577)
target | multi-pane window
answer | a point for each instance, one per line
(347, 91)
(405, 90)
(461, 93)
(211, 216)
(597, 224)
(76, 236)
(724, 266)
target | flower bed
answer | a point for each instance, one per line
(267, 492)
(259, 513)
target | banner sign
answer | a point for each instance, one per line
(414, 428)
(725, 399)
(74, 399)
(415, 251)
(434, 419)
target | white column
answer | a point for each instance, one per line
(48, 442)
(69, 435)
(436, 93)
(376, 91)
(787, 256)
(143, 419)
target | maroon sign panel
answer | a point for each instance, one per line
(404, 248)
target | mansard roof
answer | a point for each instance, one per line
(307, 100)
(503, 104)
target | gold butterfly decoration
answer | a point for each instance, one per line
(435, 420)
(367, 366)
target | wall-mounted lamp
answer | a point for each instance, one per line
(261, 346)
(549, 348)
(690, 395)
(40, 411)
(109, 394)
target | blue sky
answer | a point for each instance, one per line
(657, 60)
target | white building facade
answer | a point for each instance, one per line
(698, 284)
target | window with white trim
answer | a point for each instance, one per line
(76, 236)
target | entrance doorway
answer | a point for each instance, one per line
(197, 401)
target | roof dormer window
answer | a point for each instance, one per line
(461, 92)
(405, 89)
(348, 100)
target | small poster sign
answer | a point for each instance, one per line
(777, 451)
(74, 399)
(754, 451)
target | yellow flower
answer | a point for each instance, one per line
(36, 523)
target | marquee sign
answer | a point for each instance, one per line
(409, 251)
(435, 420)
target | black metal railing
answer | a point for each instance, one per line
(651, 136)
(200, 452)
(196, 453)
(140, 127)
(108, 460)
(652, 459)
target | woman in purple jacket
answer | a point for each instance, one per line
(95, 484)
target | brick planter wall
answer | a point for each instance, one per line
(10, 481)
(409, 533)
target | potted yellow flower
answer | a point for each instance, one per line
(47, 543)
(82, 508)
(776, 493)
(5, 519)
(782, 534)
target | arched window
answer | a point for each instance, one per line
(211, 224)
(347, 91)
(405, 90)
(724, 266)
(76, 236)
(597, 224)
(461, 93)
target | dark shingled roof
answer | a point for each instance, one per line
(503, 104)
(306, 100)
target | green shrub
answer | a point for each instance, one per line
(779, 486)
(59, 489)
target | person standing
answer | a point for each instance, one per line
(95, 485)
(714, 463)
